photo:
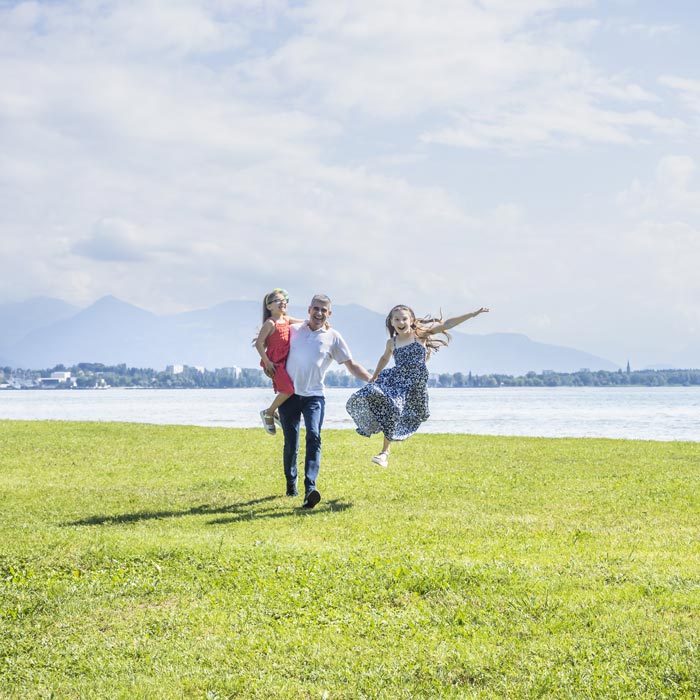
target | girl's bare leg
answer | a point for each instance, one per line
(279, 400)
(269, 415)
(383, 457)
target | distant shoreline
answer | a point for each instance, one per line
(99, 376)
(331, 388)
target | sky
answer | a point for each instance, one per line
(539, 157)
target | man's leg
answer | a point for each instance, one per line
(313, 410)
(290, 416)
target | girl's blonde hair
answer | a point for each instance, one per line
(266, 313)
(421, 327)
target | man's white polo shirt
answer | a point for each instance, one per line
(310, 356)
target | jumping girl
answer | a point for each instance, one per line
(395, 401)
(272, 344)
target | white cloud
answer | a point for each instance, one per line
(490, 74)
(567, 120)
(671, 194)
(382, 62)
(648, 31)
(113, 240)
(670, 251)
(132, 28)
(688, 90)
(181, 153)
(660, 246)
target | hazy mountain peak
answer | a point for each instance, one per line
(113, 331)
(109, 304)
(22, 317)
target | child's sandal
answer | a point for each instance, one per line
(268, 423)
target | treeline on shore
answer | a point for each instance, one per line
(88, 375)
(647, 377)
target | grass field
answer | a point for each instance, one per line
(164, 562)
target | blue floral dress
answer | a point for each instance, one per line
(397, 402)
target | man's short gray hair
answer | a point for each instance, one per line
(322, 298)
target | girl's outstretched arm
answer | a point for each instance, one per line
(456, 320)
(384, 359)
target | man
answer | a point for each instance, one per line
(313, 347)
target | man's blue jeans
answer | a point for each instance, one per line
(313, 409)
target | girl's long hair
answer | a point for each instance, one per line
(421, 327)
(266, 313)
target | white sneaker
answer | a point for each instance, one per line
(382, 459)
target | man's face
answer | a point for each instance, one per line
(318, 314)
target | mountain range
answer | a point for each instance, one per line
(43, 332)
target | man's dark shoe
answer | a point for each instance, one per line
(312, 499)
(292, 492)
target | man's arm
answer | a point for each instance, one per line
(357, 370)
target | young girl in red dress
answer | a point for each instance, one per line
(272, 344)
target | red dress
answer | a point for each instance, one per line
(277, 350)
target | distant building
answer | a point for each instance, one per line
(234, 372)
(179, 369)
(56, 379)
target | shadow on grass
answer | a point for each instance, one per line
(334, 506)
(236, 512)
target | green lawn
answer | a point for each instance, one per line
(145, 561)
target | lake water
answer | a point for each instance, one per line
(639, 413)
